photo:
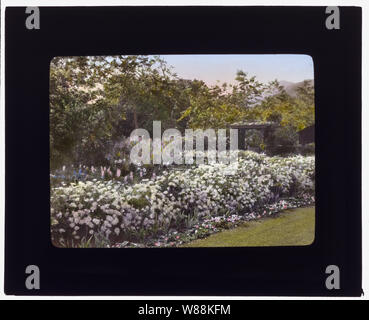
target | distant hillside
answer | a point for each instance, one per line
(291, 87)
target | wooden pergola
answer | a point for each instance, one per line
(266, 129)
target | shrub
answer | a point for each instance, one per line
(308, 149)
(119, 212)
(283, 141)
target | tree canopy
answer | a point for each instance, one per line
(95, 101)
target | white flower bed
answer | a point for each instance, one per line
(174, 200)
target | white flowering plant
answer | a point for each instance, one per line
(107, 213)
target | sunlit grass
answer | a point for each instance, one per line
(289, 228)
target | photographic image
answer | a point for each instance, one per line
(183, 151)
(190, 150)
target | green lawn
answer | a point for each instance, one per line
(289, 228)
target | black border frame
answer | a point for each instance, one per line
(287, 271)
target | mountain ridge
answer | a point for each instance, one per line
(291, 87)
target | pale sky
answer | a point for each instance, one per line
(266, 67)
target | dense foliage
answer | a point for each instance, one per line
(110, 211)
(96, 101)
(100, 199)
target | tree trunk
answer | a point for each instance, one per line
(135, 118)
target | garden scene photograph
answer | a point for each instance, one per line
(181, 151)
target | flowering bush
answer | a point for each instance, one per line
(107, 212)
(118, 166)
(218, 223)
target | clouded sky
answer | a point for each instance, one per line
(267, 67)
